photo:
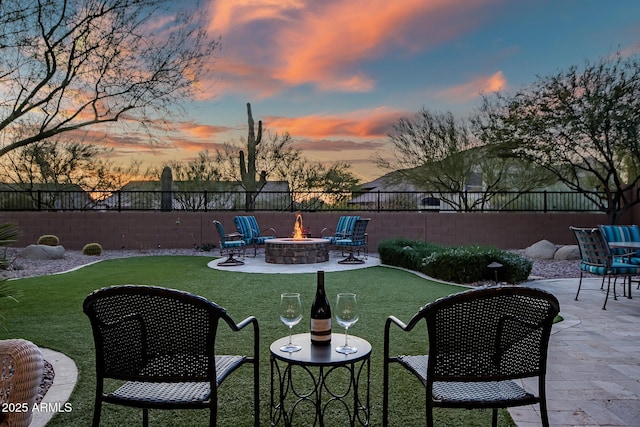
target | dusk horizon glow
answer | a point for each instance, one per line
(336, 75)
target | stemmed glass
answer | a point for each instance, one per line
(346, 315)
(290, 315)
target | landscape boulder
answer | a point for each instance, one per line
(543, 249)
(567, 253)
(42, 252)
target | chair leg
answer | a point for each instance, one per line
(96, 413)
(606, 297)
(385, 394)
(145, 417)
(579, 286)
(544, 414)
(494, 418)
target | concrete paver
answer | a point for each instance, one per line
(593, 376)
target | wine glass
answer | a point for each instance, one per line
(346, 315)
(290, 315)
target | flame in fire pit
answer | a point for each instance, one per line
(298, 231)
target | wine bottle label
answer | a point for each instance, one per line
(321, 330)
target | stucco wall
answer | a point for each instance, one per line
(143, 230)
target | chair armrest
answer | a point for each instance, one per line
(251, 320)
(387, 326)
(394, 319)
(245, 322)
(272, 229)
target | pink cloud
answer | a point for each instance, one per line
(361, 124)
(472, 89)
(278, 43)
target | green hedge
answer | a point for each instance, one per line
(458, 264)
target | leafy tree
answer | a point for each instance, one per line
(71, 64)
(579, 124)
(439, 154)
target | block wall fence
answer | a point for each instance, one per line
(149, 230)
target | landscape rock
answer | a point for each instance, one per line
(568, 252)
(42, 252)
(543, 249)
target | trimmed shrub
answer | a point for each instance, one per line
(93, 249)
(49, 240)
(458, 264)
(405, 253)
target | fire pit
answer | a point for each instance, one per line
(297, 249)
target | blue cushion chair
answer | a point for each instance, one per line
(344, 228)
(622, 233)
(230, 247)
(248, 227)
(354, 244)
(596, 258)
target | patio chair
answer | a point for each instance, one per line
(252, 235)
(230, 247)
(159, 344)
(596, 258)
(622, 233)
(480, 341)
(344, 228)
(354, 244)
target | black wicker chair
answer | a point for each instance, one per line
(160, 344)
(480, 341)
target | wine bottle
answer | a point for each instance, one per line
(320, 315)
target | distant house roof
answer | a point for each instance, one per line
(204, 185)
(43, 187)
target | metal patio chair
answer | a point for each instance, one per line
(251, 233)
(596, 258)
(344, 228)
(480, 341)
(355, 244)
(229, 247)
(160, 344)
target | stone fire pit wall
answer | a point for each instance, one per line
(290, 251)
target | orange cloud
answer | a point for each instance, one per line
(296, 42)
(475, 87)
(362, 124)
(342, 145)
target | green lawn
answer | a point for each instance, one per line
(49, 313)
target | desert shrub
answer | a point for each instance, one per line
(49, 240)
(458, 264)
(207, 247)
(405, 253)
(92, 249)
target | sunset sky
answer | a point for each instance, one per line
(336, 74)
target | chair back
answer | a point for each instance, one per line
(620, 233)
(489, 334)
(345, 226)
(594, 250)
(221, 234)
(247, 226)
(147, 333)
(359, 236)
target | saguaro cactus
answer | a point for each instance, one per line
(166, 188)
(248, 171)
